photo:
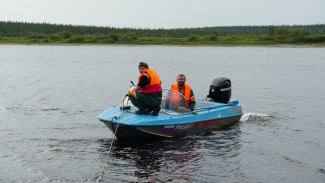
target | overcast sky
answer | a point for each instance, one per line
(165, 13)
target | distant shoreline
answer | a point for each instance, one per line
(284, 45)
(51, 34)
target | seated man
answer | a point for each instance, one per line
(147, 94)
(186, 90)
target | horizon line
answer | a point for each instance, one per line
(16, 21)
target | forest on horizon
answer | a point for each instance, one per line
(25, 32)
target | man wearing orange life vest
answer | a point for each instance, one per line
(186, 90)
(147, 94)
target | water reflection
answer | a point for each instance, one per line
(177, 159)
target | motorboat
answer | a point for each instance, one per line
(174, 118)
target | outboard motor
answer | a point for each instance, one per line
(220, 90)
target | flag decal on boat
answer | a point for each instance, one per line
(168, 129)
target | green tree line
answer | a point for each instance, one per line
(45, 32)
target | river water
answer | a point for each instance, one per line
(50, 97)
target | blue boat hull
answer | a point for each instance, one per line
(135, 127)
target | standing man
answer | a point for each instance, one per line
(147, 94)
(186, 90)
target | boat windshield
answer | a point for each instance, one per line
(173, 103)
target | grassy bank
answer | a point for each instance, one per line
(223, 41)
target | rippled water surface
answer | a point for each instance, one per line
(50, 97)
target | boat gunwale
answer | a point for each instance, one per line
(164, 119)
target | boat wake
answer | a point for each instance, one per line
(251, 117)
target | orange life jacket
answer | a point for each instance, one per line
(155, 84)
(187, 93)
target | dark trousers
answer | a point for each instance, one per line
(143, 101)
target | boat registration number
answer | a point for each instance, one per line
(184, 126)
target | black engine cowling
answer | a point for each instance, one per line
(220, 90)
